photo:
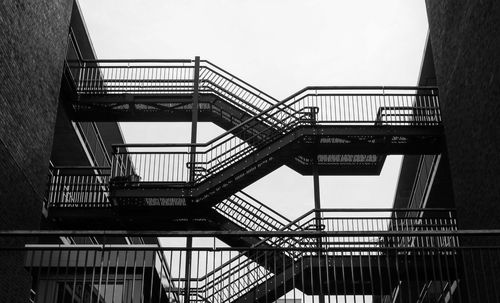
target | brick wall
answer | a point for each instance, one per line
(32, 48)
(465, 39)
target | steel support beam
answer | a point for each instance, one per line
(194, 130)
(317, 194)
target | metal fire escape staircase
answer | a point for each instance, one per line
(163, 90)
(298, 132)
(280, 265)
(78, 197)
(339, 130)
(243, 212)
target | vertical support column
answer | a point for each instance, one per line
(194, 117)
(314, 156)
(187, 288)
(317, 199)
(317, 213)
(192, 160)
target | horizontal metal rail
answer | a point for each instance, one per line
(310, 108)
(167, 77)
(218, 233)
(340, 220)
(270, 119)
(292, 100)
(131, 273)
(236, 269)
(86, 61)
(250, 213)
(79, 187)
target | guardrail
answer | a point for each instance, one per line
(172, 76)
(167, 77)
(250, 214)
(350, 106)
(271, 119)
(336, 104)
(81, 187)
(78, 186)
(413, 273)
(243, 268)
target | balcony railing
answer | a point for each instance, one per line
(79, 186)
(236, 270)
(250, 214)
(167, 77)
(377, 273)
(270, 118)
(85, 187)
(323, 105)
(174, 77)
(346, 104)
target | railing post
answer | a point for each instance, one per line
(192, 160)
(313, 115)
(194, 118)
(114, 162)
(317, 207)
(80, 85)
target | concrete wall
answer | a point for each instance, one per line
(465, 38)
(32, 48)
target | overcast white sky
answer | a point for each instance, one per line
(280, 47)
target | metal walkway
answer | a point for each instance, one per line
(318, 130)
(169, 90)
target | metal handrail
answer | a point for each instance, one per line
(220, 76)
(265, 206)
(243, 213)
(258, 244)
(233, 148)
(277, 116)
(218, 233)
(138, 61)
(105, 247)
(79, 167)
(226, 274)
(392, 266)
(314, 211)
(88, 171)
(236, 150)
(277, 105)
(214, 271)
(239, 79)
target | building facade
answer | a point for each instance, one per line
(67, 170)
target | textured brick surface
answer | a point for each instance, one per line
(32, 48)
(466, 43)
